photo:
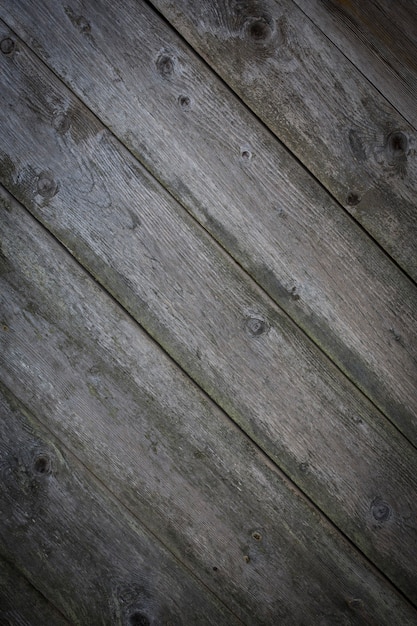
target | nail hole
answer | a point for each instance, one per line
(352, 198)
(215, 569)
(184, 102)
(395, 334)
(42, 465)
(355, 603)
(246, 558)
(294, 294)
(257, 536)
(7, 45)
(165, 65)
(246, 155)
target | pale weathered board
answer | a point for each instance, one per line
(82, 550)
(20, 603)
(201, 307)
(373, 35)
(236, 179)
(324, 110)
(94, 378)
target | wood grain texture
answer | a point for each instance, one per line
(323, 109)
(80, 548)
(170, 455)
(236, 179)
(222, 330)
(21, 604)
(373, 36)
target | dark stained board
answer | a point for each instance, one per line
(314, 99)
(230, 173)
(230, 338)
(21, 604)
(84, 552)
(123, 410)
(380, 38)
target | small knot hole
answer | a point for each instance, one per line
(7, 45)
(352, 199)
(184, 102)
(381, 511)
(138, 619)
(42, 465)
(397, 144)
(165, 65)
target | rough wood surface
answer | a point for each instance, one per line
(93, 377)
(373, 35)
(324, 110)
(233, 176)
(81, 549)
(206, 313)
(21, 604)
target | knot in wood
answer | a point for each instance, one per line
(381, 511)
(138, 619)
(61, 122)
(256, 326)
(397, 144)
(42, 465)
(46, 186)
(84, 25)
(165, 65)
(259, 29)
(352, 199)
(7, 45)
(184, 102)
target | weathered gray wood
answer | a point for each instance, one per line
(173, 458)
(21, 604)
(81, 549)
(265, 209)
(206, 313)
(372, 35)
(324, 110)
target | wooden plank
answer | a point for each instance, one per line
(239, 347)
(189, 304)
(174, 459)
(372, 37)
(82, 550)
(324, 110)
(21, 604)
(265, 210)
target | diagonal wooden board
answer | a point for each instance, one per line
(313, 98)
(207, 314)
(264, 209)
(21, 604)
(120, 407)
(379, 39)
(85, 553)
